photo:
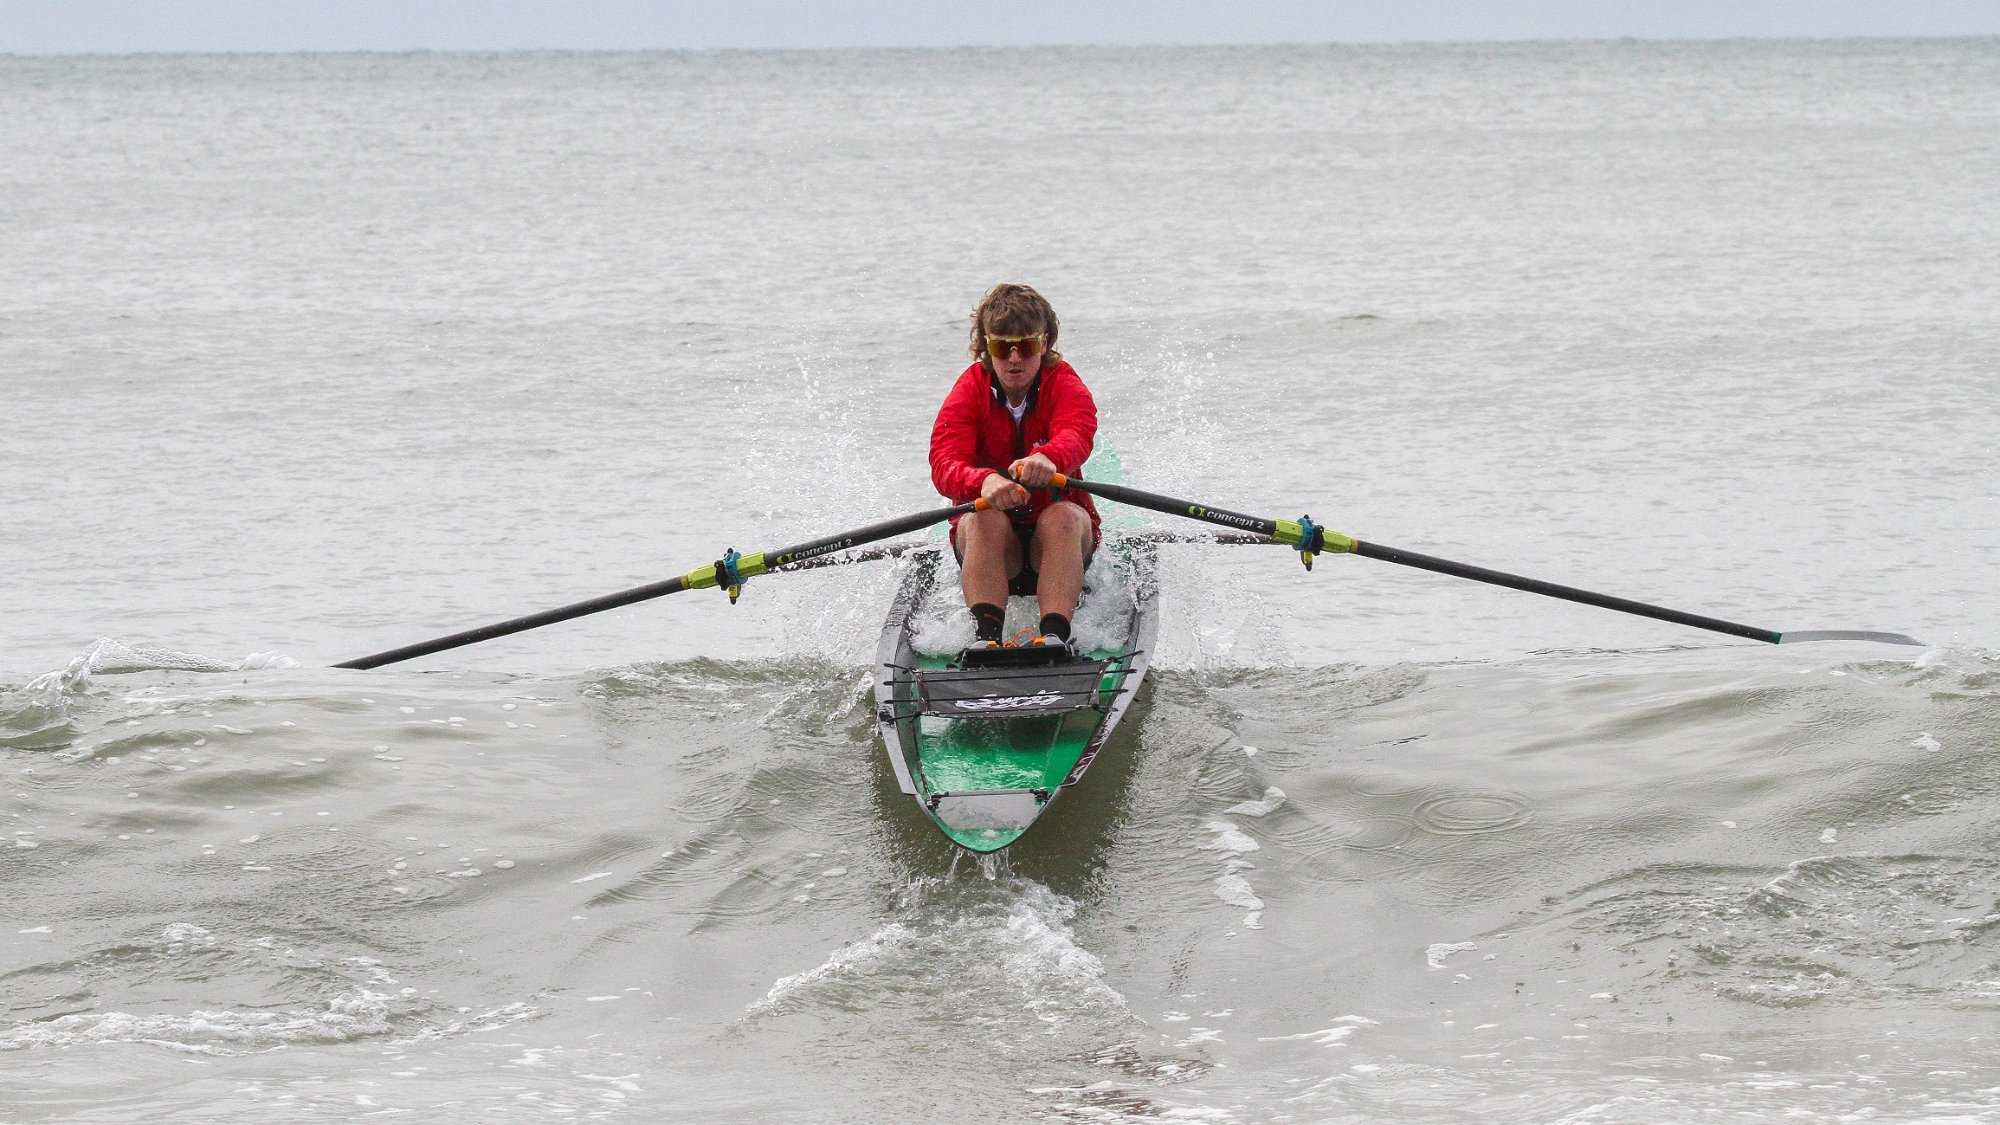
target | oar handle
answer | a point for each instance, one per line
(1168, 505)
(1307, 537)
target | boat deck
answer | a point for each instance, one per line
(985, 749)
(1022, 752)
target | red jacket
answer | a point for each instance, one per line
(974, 435)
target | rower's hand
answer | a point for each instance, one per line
(999, 492)
(1033, 471)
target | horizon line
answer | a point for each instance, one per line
(942, 48)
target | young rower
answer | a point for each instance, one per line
(1020, 409)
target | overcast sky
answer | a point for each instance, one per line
(72, 26)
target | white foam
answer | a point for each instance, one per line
(1924, 741)
(186, 933)
(943, 624)
(1435, 955)
(1326, 1037)
(1106, 608)
(346, 1018)
(1236, 891)
(1011, 939)
(1228, 838)
(1046, 963)
(113, 657)
(484, 1021)
(621, 1081)
(1273, 797)
(843, 960)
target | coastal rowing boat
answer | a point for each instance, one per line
(986, 739)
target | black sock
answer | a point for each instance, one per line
(1055, 623)
(991, 618)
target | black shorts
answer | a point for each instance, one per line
(1022, 585)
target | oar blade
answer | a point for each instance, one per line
(1798, 635)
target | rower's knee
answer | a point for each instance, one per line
(1063, 515)
(987, 539)
(1069, 517)
(983, 528)
(1064, 522)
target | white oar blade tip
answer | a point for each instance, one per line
(1848, 635)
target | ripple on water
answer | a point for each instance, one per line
(171, 988)
(1910, 930)
(1471, 814)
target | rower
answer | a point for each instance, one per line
(1014, 419)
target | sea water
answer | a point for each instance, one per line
(304, 357)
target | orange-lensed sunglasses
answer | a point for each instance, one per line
(1000, 347)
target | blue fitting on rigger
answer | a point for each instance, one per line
(1310, 540)
(726, 575)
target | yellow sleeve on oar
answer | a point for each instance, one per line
(1295, 533)
(703, 577)
(732, 570)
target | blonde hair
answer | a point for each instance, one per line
(1014, 310)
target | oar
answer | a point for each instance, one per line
(729, 572)
(1311, 539)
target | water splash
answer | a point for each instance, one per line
(347, 1017)
(44, 713)
(992, 947)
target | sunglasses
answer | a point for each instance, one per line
(1000, 347)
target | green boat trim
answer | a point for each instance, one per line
(986, 749)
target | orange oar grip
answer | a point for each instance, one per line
(1059, 481)
(980, 505)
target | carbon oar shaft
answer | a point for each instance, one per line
(1295, 533)
(1283, 531)
(1567, 593)
(747, 566)
(1172, 507)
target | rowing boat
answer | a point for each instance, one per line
(986, 739)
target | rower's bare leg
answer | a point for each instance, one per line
(1062, 542)
(992, 555)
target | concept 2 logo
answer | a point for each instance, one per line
(813, 552)
(1247, 523)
